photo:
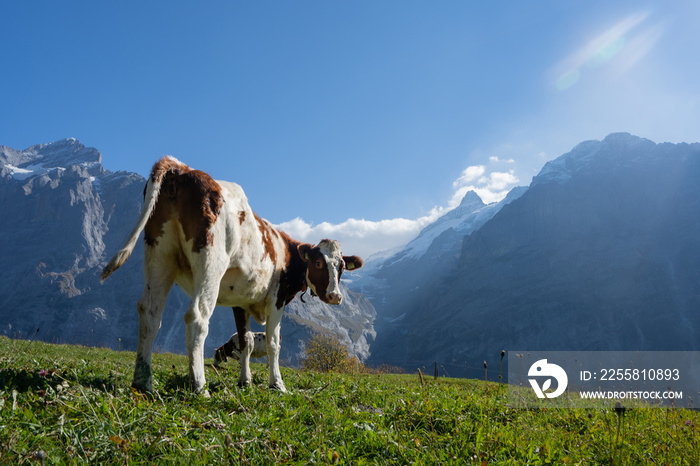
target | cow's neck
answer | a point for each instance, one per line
(293, 277)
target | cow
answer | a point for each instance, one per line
(203, 235)
(232, 348)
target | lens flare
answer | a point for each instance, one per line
(602, 49)
(568, 79)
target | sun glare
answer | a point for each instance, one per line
(601, 50)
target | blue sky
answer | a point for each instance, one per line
(361, 120)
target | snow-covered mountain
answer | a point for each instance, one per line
(601, 252)
(470, 215)
(42, 158)
(392, 278)
(64, 215)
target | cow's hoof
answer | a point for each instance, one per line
(142, 388)
(202, 391)
(147, 393)
(243, 384)
(279, 386)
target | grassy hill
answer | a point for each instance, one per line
(71, 404)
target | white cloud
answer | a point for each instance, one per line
(491, 187)
(495, 159)
(362, 237)
(470, 174)
(499, 181)
(366, 237)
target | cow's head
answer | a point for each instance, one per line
(324, 266)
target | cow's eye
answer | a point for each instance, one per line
(319, 264)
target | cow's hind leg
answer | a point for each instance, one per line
(246, 343)
(150, 307)
(272, 335)
(197, 319)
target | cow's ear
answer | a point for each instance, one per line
(352, 262)
(304, 251)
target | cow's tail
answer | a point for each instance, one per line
(149, 204)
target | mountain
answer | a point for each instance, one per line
(401, 269)
(64, 216)
(601, 252)
(394, 280)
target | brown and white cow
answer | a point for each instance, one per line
(203, 235)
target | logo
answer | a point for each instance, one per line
(542, 368)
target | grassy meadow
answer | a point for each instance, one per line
(63, 404)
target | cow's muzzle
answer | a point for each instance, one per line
(334, 297)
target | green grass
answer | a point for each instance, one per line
(72, 404)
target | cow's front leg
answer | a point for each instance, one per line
(246, 343)
(272, 335)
